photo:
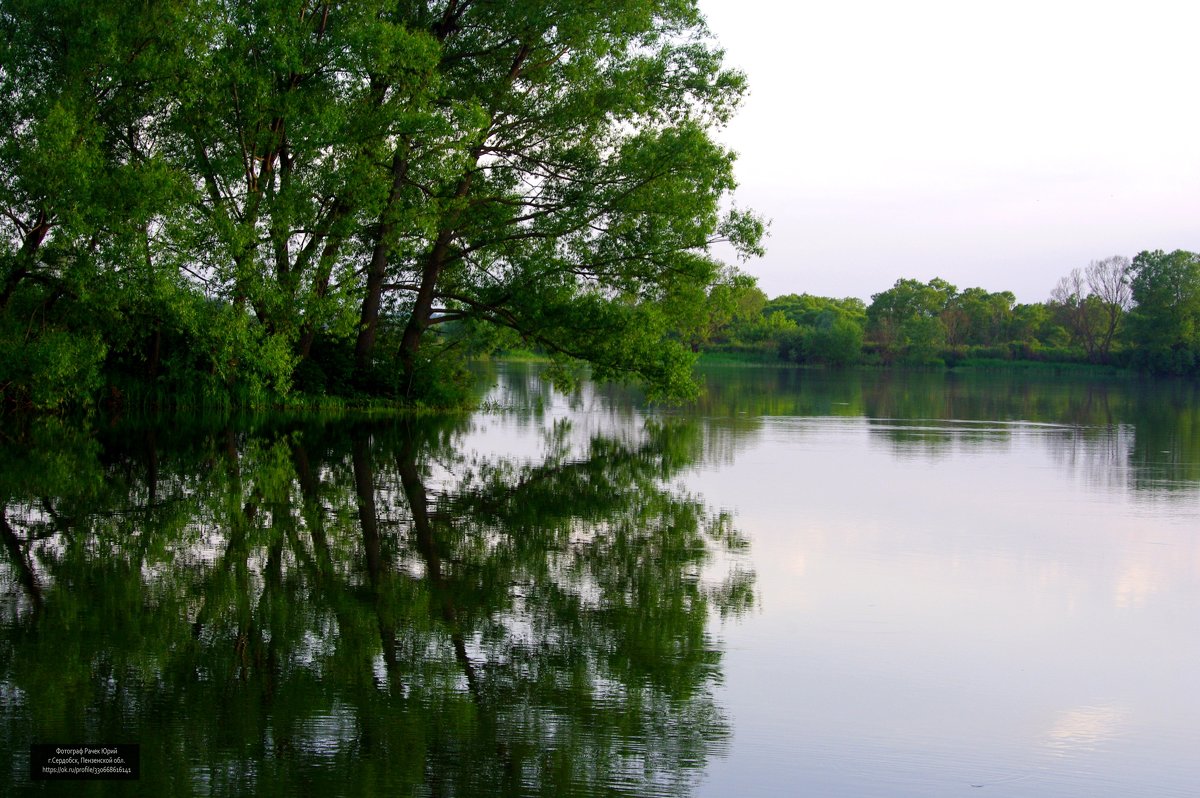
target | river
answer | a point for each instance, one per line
(806, 583)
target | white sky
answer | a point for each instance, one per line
(991, 144)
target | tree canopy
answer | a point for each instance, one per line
(1165, 322)
(245, 196)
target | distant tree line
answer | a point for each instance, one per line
(1142, 314)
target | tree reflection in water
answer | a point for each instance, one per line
(1140, 433)
(359, 608)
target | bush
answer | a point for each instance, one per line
(834, 340)
(1176, 361)
(48, 369)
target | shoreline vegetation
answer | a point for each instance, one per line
(789, 332)
(753, 359)
(912, 326)
(242, 205)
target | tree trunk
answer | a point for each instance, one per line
(29, 247)
(368, 319)
(422, 311)
(324, 270)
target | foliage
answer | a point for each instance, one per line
(733, 311)
(1087, 320)
(831, 339)
(1165, 322)
(225, 195)
(934, 324)
(819, 329)
(1034, 322)
(48, 367)
(806, 309)
(978, 317)
(904, 319)
(1092, 304)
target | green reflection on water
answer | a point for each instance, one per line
(329, 609)
(287, 607)
(1148, 428)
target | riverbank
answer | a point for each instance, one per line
(1049, 368)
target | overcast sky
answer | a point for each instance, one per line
(992, 144)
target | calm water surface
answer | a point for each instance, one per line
(963, 585)
(806, 584)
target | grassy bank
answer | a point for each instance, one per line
(742, 358)
(1049, 368)
(519, 356)
(1040, 367)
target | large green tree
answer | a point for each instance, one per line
(1164, 325)
(578, 203)
(82, 185)
(906, 318)
(826, 330)
(733, 311)
(284, 119)
(977, 316)
(249, 180)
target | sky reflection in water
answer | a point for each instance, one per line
(951, 604)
